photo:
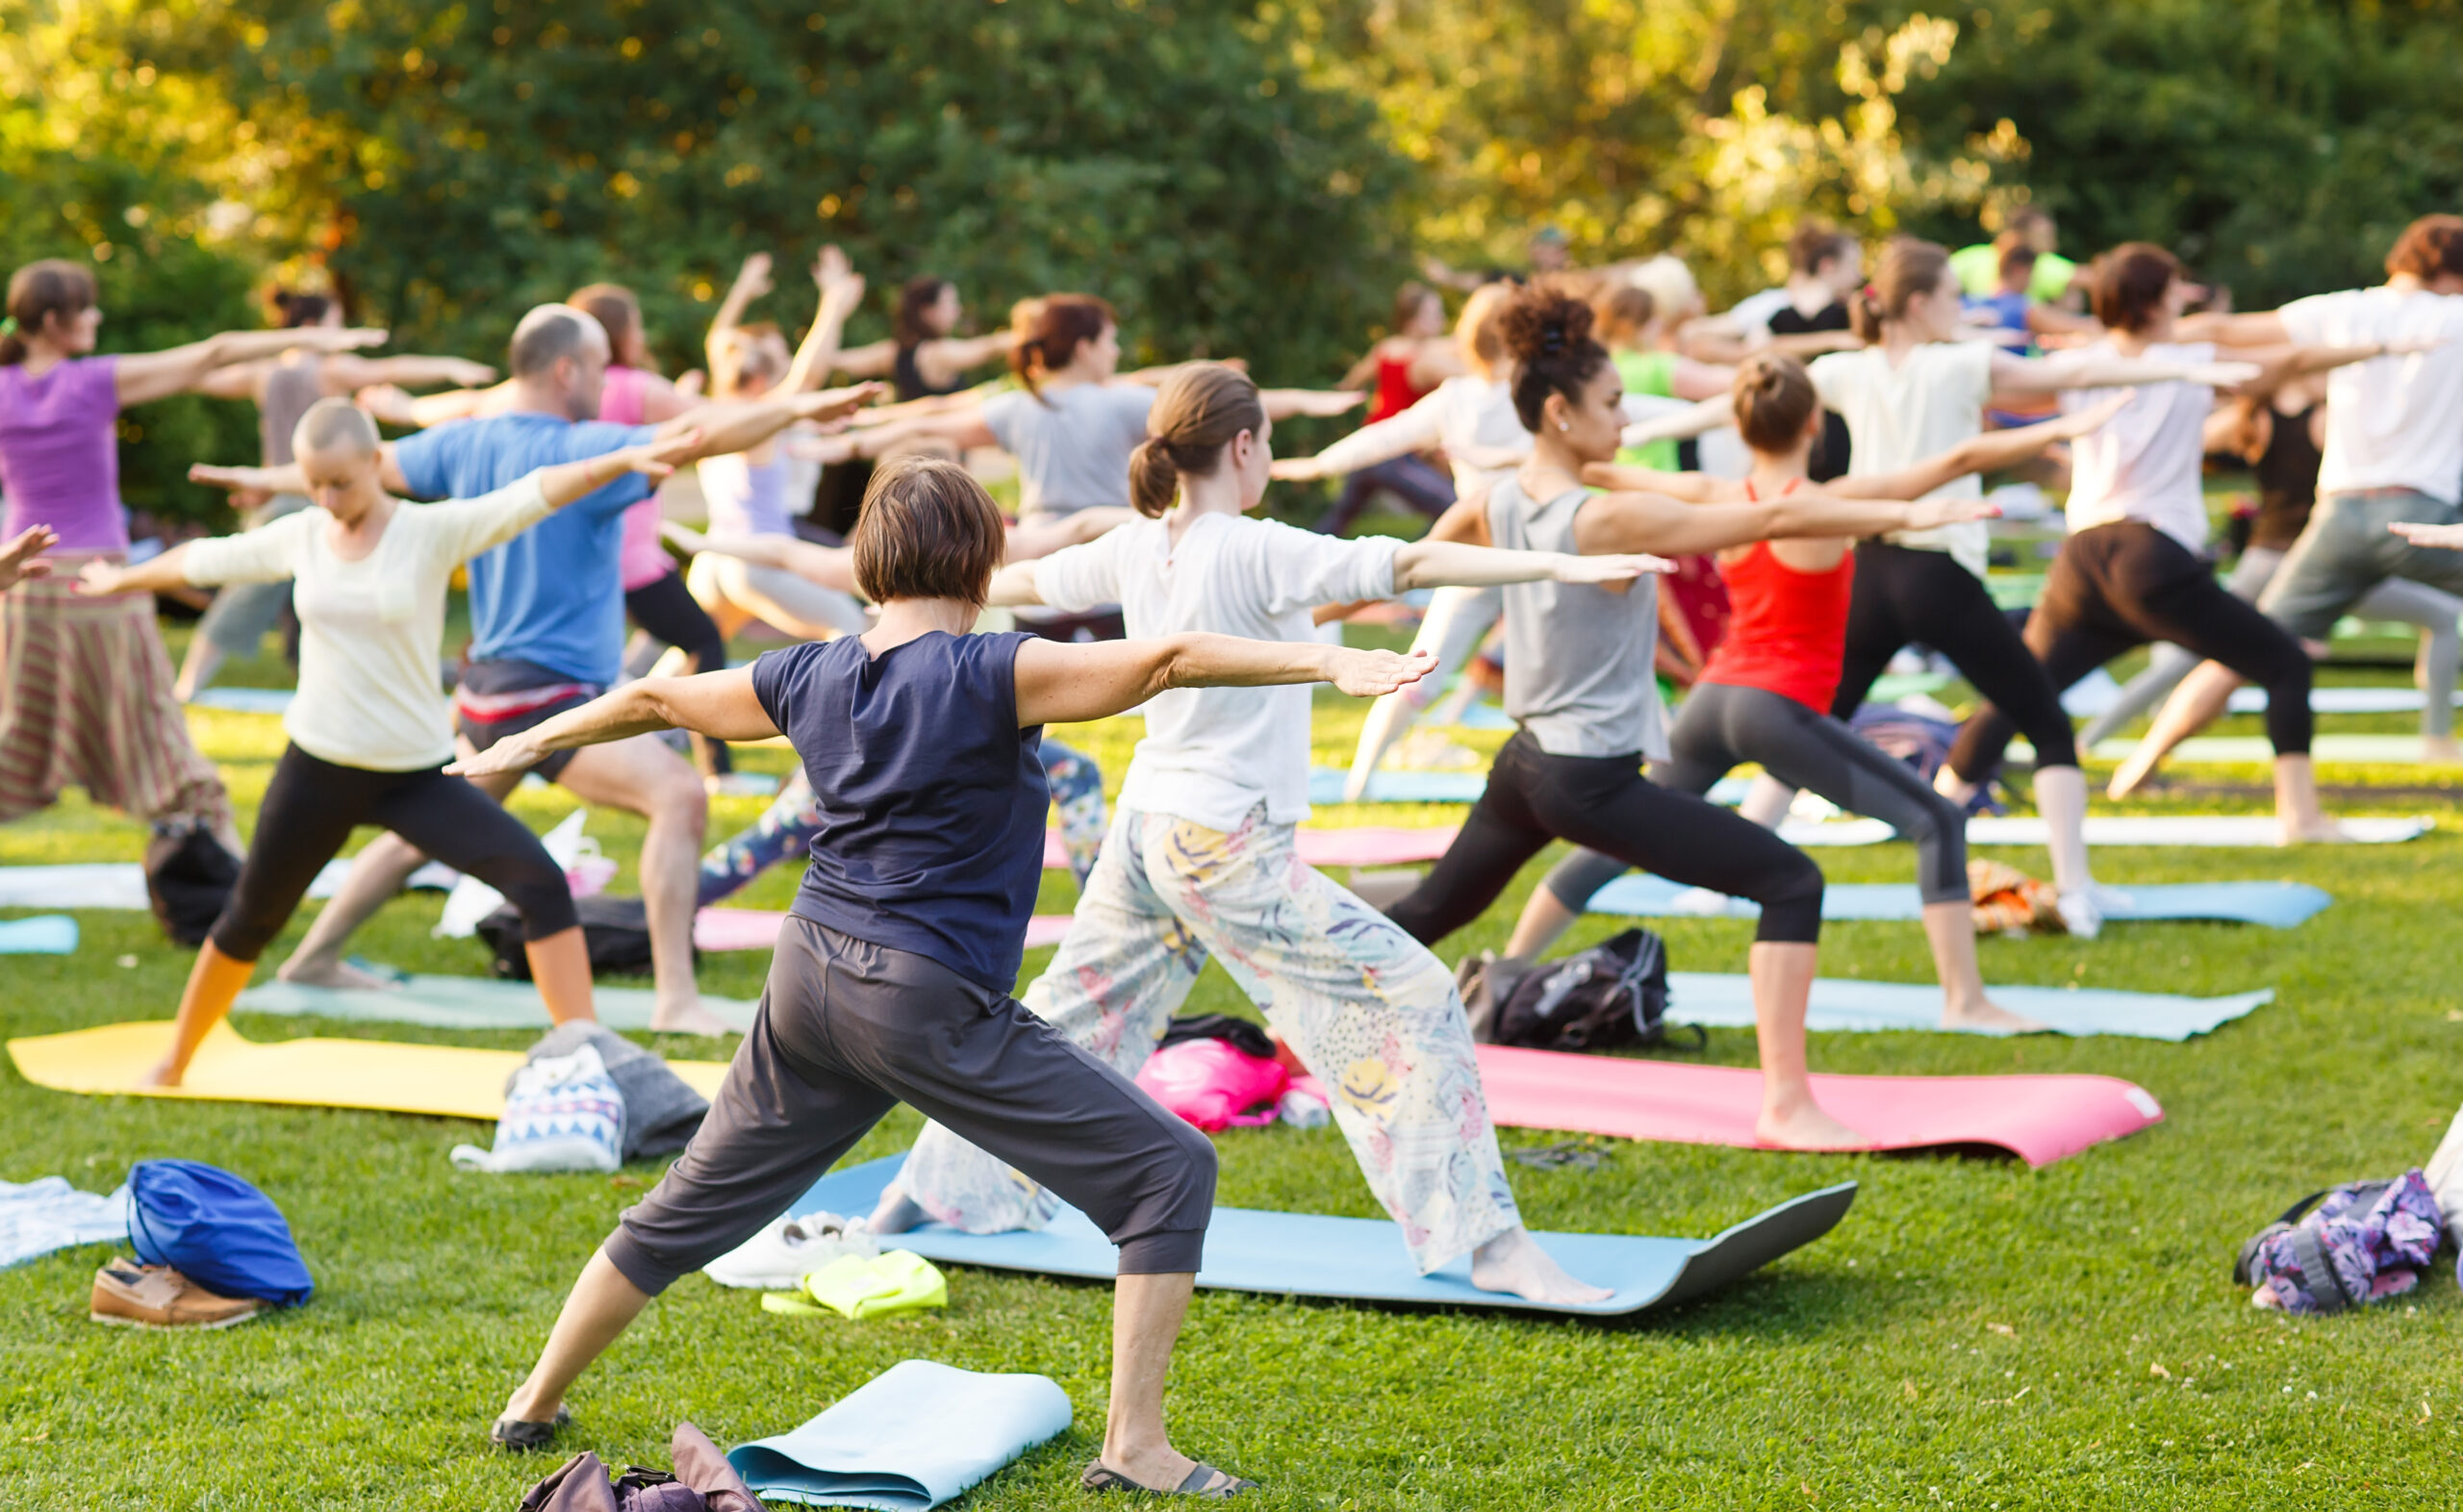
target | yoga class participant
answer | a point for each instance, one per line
(1764, 695)
(89, 697)
(2393, 453)
(547, 627)
(283, 388)
(1406, 367)
(923, 357)
(2133, 569)
(1578, 680)
(1199, 862)
(892, 973)
(1914, 393)
(369, 730)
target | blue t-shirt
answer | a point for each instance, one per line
(930, 800)
(553, 594)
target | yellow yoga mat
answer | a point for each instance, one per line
(448, 1081)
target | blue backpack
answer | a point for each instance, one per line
(216, 1229)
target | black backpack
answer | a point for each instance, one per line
(189, 878)
(1610, 996)
(617, 931)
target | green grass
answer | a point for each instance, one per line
(1974, 1335)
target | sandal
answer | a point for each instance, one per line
(1200, 1482)
(520, 1437)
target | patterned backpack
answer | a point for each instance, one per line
(2360, 1243)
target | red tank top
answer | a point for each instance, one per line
(1394, 391)
(1790, 630)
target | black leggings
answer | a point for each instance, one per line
(1905, 593)
(1722, 725)
(1606, 803)
(310, 809)
(667, 610)
(2122, 586)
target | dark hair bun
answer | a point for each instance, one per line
(1542, 325)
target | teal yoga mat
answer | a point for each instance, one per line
(1847, 1007)
(44, 934)
(466, 1002)
(2279, 905)
(1326, 786)
(245, 700)
(1303, 1254)
(911, 1438)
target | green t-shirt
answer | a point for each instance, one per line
(1979, 271)
(1651, 373)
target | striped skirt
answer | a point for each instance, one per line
(85, 698)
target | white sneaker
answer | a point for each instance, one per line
(777, 1258)
(2084, 910)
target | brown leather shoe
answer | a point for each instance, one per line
(133, 1296)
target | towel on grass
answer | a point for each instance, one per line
(39, 1216)
(913, 1437)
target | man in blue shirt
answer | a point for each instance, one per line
(547, 627)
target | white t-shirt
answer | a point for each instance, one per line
(371, 631)
(1897, 417)
(2145, 462)
(1072, 444)
(1212, 754)
(2392, 422)
(1465, 415)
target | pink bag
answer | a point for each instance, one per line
(1214, 1085)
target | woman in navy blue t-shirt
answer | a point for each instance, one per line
(891, 980)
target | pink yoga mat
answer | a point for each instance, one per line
(758, 929)
(1368, 845)
(2038, 1119)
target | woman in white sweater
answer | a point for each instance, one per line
(369, 730)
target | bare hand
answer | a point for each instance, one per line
(389, 403)
(1373, 675)
(831, 404)
(2069, 427)
(100, 579)
(752, 280)
(1295, 469)
(658, 459)
(2421, 533)
(1927, 514)
(17, 558)
(1609, 568)
(1334, 402)
(236, 479)
(463, 373)
(2224, 376)
(320, 338)
(515, 753)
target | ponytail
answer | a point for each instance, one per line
(1045, 333)
(1910, 269)
(1198, 412)
(37, 292)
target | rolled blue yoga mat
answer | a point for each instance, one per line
(1849, 1007)
(1304, 1254)
(913, 1437)
(44, 934)
(2279, 905)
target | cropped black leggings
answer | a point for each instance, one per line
(666, 609)
(310, 809)
(1905, 593)
(1723, 725)
(2122, 586)
(1606, 803)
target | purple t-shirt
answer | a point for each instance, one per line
(60, 453)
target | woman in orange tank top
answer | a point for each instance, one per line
(1765, 694)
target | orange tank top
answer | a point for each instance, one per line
(1788, 632)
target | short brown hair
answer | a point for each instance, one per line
(1624, 312)
(2129, 282)
(928, 530)
(37, 292)
(2429, 247)
(1774, 402)
(1198, 412)
(1815, 243)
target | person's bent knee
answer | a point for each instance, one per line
(242, 940)
(544, 902)
(1791, 905)
(651, 1274)
(1165, 1231)
(1938, 829)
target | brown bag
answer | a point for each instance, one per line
(703, 1482)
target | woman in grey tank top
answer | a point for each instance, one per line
(1579, 679)
(235, 623)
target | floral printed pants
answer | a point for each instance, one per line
(1365, 1006)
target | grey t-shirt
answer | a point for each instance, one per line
(1579, 658)
(1071, 445)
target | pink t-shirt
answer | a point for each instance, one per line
(641, 560)
(60, 453)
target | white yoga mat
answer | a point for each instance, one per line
(2252, 750)
(1849, 1007)
(121, 884)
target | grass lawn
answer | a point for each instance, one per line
(1974, 1335)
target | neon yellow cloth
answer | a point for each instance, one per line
(1652, 373)
(858, 1286)
(1979, 272)
(385, 1076)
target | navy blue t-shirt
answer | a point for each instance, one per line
(931, 799)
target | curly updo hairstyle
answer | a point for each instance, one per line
(1547, 334)
(1197, 413)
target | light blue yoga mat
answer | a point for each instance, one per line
(1326, 786)
(1304, 1254)
(44, 934)
(1847, 1007)
(466, 1002)
(912, 1436)
(245, 700)
(2279, 905)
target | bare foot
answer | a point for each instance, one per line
(166, 1075)
(329, 971)
(1804, 1127)
(1513, 1262)
(897, 1212)
(688, 1017)
(2441, 748)
(2321, 832)
(2132, 775)
(1989, 1017)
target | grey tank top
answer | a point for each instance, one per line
(1579, 659)
(290, 390)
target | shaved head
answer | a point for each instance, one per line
(335, 426)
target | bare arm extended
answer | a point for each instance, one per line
(142, 376)
(1429, 563)
(720, 705)
(1987, 452)
(1066, 684)
(1653, 522)
(2040, 375)
(830, 567)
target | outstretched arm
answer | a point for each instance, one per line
(1454, 564)
(2028, 375)
(568, 481)
(1693, 488)
(842, 289)
(1701, 419)
(1614, 523)
(1987, 452)
(143, 376)
(1415, 429)
(1282, 404)
(751, 282)
(2421, 533)
(733, 426)
(830, 567)
(720, 705)
(349, 374)
(1066, 684)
